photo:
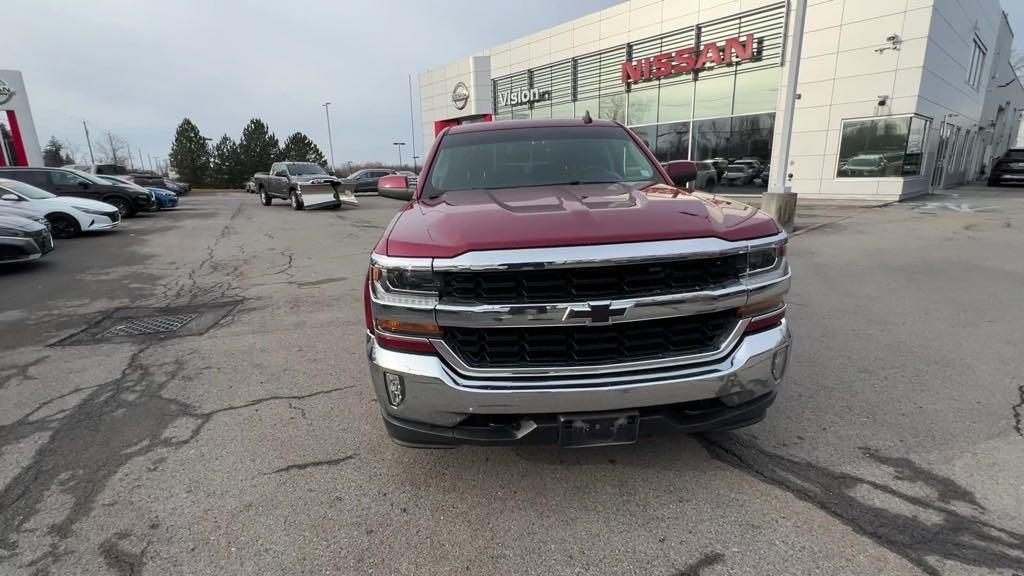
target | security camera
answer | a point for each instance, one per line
(892, 38)
(883, 99)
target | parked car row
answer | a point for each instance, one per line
(145, 178)
(40, 204)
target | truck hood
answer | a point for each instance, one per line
(540, 217)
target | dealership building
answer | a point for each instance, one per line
(19, 145)
(894, 97)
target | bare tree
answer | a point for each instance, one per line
(112, 149)
(75, 152)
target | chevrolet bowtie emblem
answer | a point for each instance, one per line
(596, 312)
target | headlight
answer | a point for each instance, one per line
(92, 211)
(762, 259)
(14, 233)
(403, 284)
(404, 293)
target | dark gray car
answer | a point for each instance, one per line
(366, 180)
(22, 239)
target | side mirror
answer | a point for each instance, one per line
(83, 185)
(393, 181)
(8, 197)
(281, 174)
(681, 172)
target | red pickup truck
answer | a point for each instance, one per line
(549, 282)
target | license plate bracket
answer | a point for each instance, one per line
(598, 429)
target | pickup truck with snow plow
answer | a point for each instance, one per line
(550, 282)
(303, 185)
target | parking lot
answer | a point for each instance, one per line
(256, 447)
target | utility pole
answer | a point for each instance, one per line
(92, 158)
(330, 139)
(399, 144)
(780, 201)
(412, 127)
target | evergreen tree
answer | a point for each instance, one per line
(224, 169)
(190, 156)
(258, 148)
(54, 153)
(299, 148)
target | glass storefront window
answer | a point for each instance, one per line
(612, 107)
(643, 106)
(675, 102)
(542, 110)
(648, 135)
(561, 110)
(583, 105)
(914, 157)
(756, 91)
(712, 138)
(713, 96)
(673, 141)
(882, 147)
(751, 137)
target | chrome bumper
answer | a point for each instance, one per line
(437, 395)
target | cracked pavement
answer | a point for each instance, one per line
(894, 448)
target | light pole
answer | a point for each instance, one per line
(779, 200)
(415, 167)
(92, 159)
(412, 125)
(330, 140)
(399, 144)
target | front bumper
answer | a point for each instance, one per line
(146, 205)
(102, 222)
(439, 402)
(21, 249)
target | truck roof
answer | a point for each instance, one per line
(537, 123)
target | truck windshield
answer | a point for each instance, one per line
(305, 169)
(530, 157)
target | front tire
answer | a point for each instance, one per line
(63, 226)
(993, 181)
(265, 198)
(124, 207)
(296, 202)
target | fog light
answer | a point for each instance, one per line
(779, 360)
(395, 387)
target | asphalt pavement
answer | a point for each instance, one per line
(254, 445)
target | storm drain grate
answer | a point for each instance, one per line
(150, 325)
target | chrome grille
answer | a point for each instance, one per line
(592, 283)
(587, 345)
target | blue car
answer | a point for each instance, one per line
(165, 198)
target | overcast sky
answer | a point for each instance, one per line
(136, 68)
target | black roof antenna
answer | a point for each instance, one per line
(586, 118)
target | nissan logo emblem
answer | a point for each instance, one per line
(5, 93)
(460, 96)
